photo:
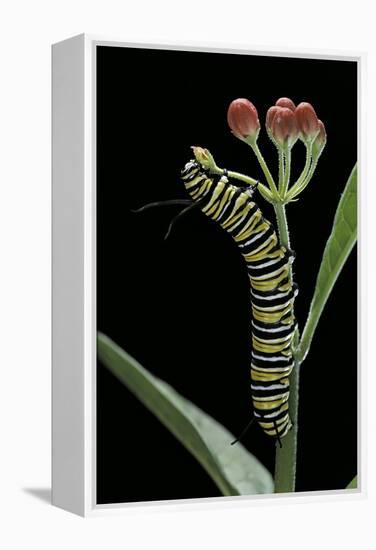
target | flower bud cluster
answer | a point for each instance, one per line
(285, 123)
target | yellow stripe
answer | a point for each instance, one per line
(218, 189)
(196, 180)
(268, 405)
(263, 250)
(235, 214)
(273, 308)
(279, 371)
(271, 275)
(270, 317)
(283, 395)
(232, 220)
(281, 423)
(204, 187)
(252, 227)
(270, 348)
(197, 193)
(270, 377)
(274, 432)
(268, 285)
(226, 198)
(274, 340)
(261, 228)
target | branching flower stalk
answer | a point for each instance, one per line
(285, 124)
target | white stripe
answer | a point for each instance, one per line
(274, 340)
(271, 415)
(272, 387)
(272, 262)
(239, 203)
(290, 325)
(254, 219)
(222, 205)
(268, 275)
(262, 246)
(258, 235)
(217, 192)
(271, 359)
(225, 208)
(204, 193)
(280, 295)
(240, 220)
(272, 308)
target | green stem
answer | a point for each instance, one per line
(285, 457)
(281, 169)
(280, 212)
(302, 178)
(235, 175)
(286, 179)
(266, 193)
(265, 169)
(303, 185)
(242, 177)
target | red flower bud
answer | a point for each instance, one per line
(272, 111)
(284, 127)
(320, 141)
(243, 119)
(308, 122)
(286, 102)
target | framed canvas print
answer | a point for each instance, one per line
(205, 311)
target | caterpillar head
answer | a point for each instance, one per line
(191, 170)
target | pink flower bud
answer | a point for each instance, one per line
(320, 141)
(272, 111)
(308, 122)
(284, 127)
(286, 102)
(243, 119)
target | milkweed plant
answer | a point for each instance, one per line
(235, 470)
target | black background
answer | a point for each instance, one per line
(181, 307)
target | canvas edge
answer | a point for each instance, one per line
(68, 383)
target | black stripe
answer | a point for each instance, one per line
(264, 412)
(272, 364)
(240, 227)
(262, 302)
(205, 199)
(218, 199)
(257, 272)
(249, 248)
(278, 394)
(231, 206)
(272, 335)
(273, 290)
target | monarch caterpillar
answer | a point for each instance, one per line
(271, 289)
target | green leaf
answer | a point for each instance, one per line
(234, 470)
(337, 249)
(353, 483)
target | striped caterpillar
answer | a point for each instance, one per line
(271, 288)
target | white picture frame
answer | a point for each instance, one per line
(74, 279)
